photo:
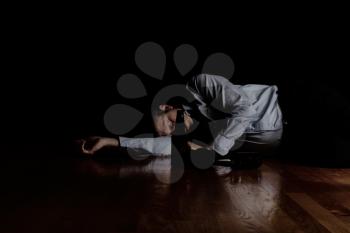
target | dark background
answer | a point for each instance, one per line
(60, 76)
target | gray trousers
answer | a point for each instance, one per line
(264, 142)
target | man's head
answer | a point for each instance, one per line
(164, 119)
(167, 117)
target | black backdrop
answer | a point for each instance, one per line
(61, 77)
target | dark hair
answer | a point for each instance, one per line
(177, 102)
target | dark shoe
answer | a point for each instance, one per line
(240, 161)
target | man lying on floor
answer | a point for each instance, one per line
(223, 118)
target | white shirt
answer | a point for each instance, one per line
(232, 109)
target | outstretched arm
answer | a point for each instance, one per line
(156, 146)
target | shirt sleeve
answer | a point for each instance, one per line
(233, 128)
(155, 146)
(223, 96)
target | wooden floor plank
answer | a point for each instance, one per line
(320, 214)
(77, 195)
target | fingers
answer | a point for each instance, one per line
(90, 145)
(194, 146)
(82, 147)
(84, 150)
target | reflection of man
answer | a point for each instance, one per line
(234, 116)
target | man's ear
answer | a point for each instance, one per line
(165, 107)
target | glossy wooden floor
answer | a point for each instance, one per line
(78, 195)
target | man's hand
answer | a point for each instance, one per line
(194, 146)
(91, 145)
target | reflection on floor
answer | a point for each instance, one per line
(85, 195)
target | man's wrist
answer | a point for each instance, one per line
(112, 142)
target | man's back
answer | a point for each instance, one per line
(218, 98)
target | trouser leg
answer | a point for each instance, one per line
(250, 148)
(267, 141)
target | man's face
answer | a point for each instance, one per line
(165, 121)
